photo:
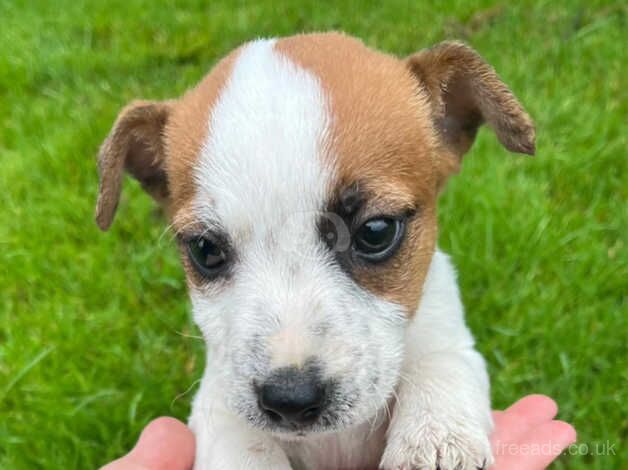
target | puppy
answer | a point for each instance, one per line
(301, 178)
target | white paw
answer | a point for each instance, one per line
(443, 446)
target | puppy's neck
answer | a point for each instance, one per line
(354, 448)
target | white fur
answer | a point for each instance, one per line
(261, 179)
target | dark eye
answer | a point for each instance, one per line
(206, 254)
(377, 239)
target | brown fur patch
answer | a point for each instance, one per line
(383, 138)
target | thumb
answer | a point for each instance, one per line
(165, 444)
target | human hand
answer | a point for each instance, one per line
(165, 444)
(526, 435)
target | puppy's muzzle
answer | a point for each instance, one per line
(293, 397)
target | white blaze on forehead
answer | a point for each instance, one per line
(262, 161)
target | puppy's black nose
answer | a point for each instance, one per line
(292, 396)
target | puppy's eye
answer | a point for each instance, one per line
(377, 239)
(206, 255)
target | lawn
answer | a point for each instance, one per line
(95, 336)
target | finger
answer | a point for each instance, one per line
(165, 444)
(526, 413)
(497, 414)
(536, 449)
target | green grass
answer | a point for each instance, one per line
(95, 337)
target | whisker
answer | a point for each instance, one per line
(184, 393)
(186, 335)
(168, 229)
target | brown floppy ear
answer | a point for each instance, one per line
(135, 144)
(465, 92)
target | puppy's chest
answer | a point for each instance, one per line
(358, 448)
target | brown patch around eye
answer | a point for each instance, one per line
(399, 277)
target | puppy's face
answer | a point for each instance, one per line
(301, 179)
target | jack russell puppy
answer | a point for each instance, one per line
(301, 179)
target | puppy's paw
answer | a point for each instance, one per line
(438, 446)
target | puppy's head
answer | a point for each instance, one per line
(301, 178)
